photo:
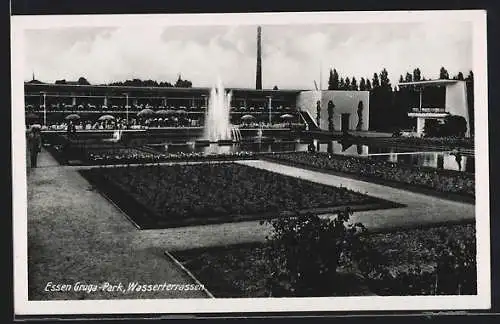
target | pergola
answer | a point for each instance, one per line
(455, 102)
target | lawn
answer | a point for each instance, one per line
(181, 195)
(243, 270)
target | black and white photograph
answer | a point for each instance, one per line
(217, 163)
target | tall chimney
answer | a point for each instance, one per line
(258, 82)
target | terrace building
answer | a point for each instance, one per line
(52, 102)
(438, 99)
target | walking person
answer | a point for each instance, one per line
(34, 145)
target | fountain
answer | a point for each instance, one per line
(217, 124)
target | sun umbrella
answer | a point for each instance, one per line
(106, 117)
(145, 112)
(180, 111)
(32, 116)
(287, 116)
(162, 112)
(247, 117)
(36, 126)
(72, 117)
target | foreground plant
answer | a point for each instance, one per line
(305, 251)
(450, 270)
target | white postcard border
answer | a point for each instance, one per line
(24, 307)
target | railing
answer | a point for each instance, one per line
(134, 111)
(135, 107)
(429, 110)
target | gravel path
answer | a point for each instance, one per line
(76, 235)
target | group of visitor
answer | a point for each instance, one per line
(137, 108)
(244, 125)
(145, 123)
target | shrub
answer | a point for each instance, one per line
(306, 250)
(433, 128)
(456, 269)
(452, 270)
(454, 126)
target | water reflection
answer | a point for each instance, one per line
(439, 160)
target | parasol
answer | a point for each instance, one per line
(287, 116)
(145, 112)
(72, 117)
(106, 117)
(247, 117)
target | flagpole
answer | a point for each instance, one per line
(320, 75)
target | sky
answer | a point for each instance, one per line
(293, 56)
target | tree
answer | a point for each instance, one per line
(470, 100)
(341, 84)
(331, 108)
(385, 83)
(83, 81)
(333, 81)
(354, 84)
(443, 74)
(165, 84)
(182, 83)
(318, 112)
(63, 81)
(368, 85)
(408, 77)
(347, 84)
(417, 75)
(470, 77)
(375, 81)
(275, 87)
(330, 80)
(362, 84)
(401, 79)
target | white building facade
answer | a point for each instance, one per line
(348, 113)
(455, 102)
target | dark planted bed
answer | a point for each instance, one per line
(181, 195)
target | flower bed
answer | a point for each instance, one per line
(243, 270)
(447, 181)
(179, 195)
(134, 155)
(451, 142)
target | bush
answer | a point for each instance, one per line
(454, 126)
(451, 270)
(306, 250)
(433, 128)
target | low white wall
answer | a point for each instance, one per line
(344, 101)
(456, 101)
